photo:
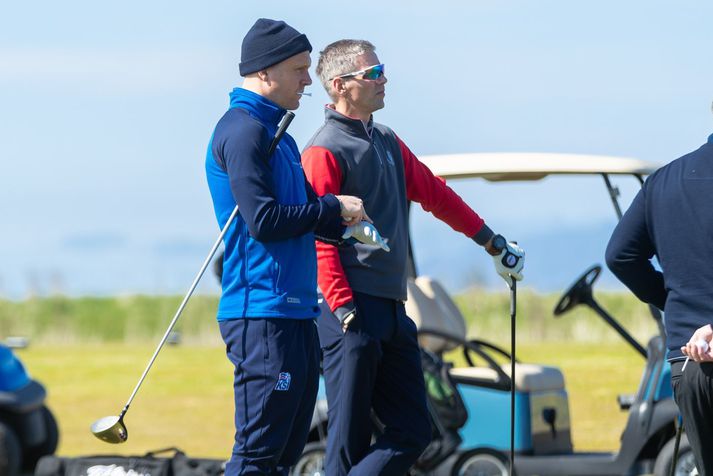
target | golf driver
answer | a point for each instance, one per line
(111, 429)
(513, 309)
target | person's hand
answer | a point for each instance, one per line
(348, 318)
(509, 263)
(352, 209)
(366, 233)
(345, 315)
(694, 348)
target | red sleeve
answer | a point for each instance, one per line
(436, 197)
(323, 172)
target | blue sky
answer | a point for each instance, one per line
(107, 109)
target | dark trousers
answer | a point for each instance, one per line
(275, 384)
(693, 392)
(375, 364)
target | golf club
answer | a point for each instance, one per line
(513, 309)
(111, 429)
(676, 445)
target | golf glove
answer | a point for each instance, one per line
(509, 263)
(366, 233)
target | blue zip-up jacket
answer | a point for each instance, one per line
(270, 264)
(671, 217)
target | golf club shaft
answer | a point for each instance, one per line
(513, 310)
(676, 446)
(286, 120)
(182, 306)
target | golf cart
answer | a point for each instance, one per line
(28, 430)
(543, 443)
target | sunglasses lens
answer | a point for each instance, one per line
(374, 73)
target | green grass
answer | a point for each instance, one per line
(90, 352)
(186, 400)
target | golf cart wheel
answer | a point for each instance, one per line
(686, 463)
(48, 446)
(311, 462)
(10, 451)
(481, 462)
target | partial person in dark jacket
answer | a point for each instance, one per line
(671, 218)
(269, 300)
(370, 352)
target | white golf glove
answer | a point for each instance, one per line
(509, 263)
(366, 233)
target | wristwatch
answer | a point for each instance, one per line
(497, 245)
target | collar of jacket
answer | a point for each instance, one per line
(266, 111)
(352, 126)
(710, 139)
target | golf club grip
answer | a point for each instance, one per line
(286, 120)
(289, 115)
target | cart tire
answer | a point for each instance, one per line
(10, 451)
(311, 461)
(48, 446)
(685, 464)
(482, 462)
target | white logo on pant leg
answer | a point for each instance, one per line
(283, 382)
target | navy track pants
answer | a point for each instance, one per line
(375, 364)
(693, 392)
(275, 384)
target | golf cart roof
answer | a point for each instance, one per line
(499, 166)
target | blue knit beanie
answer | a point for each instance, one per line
(268, 42)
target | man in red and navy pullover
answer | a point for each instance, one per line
(370, 351)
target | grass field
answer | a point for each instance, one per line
(186, 400)
(90, 352)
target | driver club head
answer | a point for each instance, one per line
(110, 429)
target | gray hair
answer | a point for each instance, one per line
(340, 58)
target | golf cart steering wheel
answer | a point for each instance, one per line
(579, 292)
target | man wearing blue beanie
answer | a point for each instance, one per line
(269, 300)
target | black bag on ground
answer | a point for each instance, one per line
(114, 465)
(443, 395)
(447, 410)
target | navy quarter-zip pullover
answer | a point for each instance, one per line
(671, 218)
(270, 264)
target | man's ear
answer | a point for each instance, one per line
(339, 86)
(263, 75)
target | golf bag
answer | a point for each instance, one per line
(112, 465)
(447, 411)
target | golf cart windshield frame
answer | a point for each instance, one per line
(503, 167)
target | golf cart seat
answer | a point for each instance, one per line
(528, 377)
(432, 309)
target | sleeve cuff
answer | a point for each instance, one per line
(343, 310)
(329, 206)
(483, 236)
